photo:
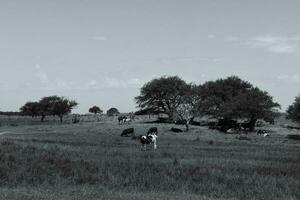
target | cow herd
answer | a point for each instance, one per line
(124, 120)
(151, 136)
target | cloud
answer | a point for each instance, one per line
(99, 38)
(270, 43)
(211, 36)
(295, 78)
(41, 75)
(118, 83)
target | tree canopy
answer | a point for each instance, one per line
(112, 112)
(31, 109)
(293, 111)
(51, 105)
(95, 110)
(233, 98)
(163, 94)
(229, 98)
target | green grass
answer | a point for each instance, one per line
(92, 161)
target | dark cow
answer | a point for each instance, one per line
(148, 139)
(152, 130)
(176, 130)
(128, 132)
(121, 119)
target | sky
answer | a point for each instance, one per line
(101, 52)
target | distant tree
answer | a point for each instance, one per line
(32, 109)
(112, 112)
(163, 94)
(233, 98)
(293, 111)
(54, 105)
(95, 110)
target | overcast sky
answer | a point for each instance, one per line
(101, 52)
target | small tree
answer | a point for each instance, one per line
(95, 110)
(63, 107)
(54, 105)
(189, 108)
(32, 109)
(112, 112)
(293, 111)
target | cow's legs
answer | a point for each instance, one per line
(154, 145)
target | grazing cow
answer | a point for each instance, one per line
(121, 119)
(152, 130)
(148, 139)
(127, 120)
(127, 132)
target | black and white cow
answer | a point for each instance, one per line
(263, 132)
(121, 119)
(148, 139)
(127, 120)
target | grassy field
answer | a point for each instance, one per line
(90, 160)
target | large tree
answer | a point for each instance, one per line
(293, 111)
(163, 94)
(233, 98)
(95, 110)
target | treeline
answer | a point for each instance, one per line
(224, 99)
(10, 113)
(51, 105)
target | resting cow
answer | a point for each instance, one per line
(263, 132)
(128, 132)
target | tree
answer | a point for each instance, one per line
(112, 112)
(163, 94)
(188, 109)
(293, 111)
(233, 98)
(63, 107)
(32, 109)
(95, 110)
(54, 105)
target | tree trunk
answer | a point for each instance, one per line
(252, 124)
(61, 118)
(42, 118)
(186, 127)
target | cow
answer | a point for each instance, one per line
(121, 119)
(127, 132)
(127, 120)
(152, 130)
(148, 139)
(263, 132)
(176, 130)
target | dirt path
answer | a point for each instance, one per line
(4, 132)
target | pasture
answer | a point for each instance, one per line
(90, 160)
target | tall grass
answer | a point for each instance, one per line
(203, 163)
